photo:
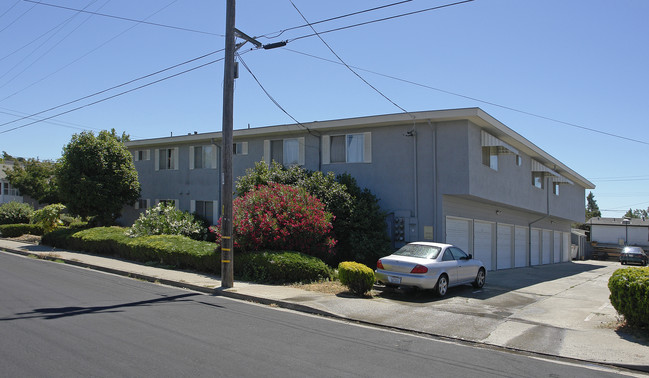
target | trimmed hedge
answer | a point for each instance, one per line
(15, 230)
(357, 277)
(15, 212)
(280, 267)
(630, 295)
(185, 253)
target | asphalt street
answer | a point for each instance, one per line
(60, 320)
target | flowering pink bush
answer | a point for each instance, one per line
(281, 217)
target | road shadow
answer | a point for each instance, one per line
(61, 312)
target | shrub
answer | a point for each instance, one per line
(280, 267)
(15, 212)
(280, 217)
(357, 277)
(165, 219)
(630, 295)
(15, 230)
(49, 217)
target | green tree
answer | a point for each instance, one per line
(97, 177)
(35, 179)
(359, 223)
(592, 210)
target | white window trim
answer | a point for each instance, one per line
(301, 150)
(147, 155)
(367, 148)
(157, 159)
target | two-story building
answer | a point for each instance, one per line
(457, 176)
(7, 192)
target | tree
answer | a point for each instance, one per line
(35, 179)
(359, 223)
(592, 210)
(97, 177)
(281, 217)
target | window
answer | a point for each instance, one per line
(519, 160)
(142, 204)
(169, 202)
(555, 188)
(458, 254)
(8, 190)
(349, 148)
(490, 157)
(202, 157)
(240, 148)
(285, 151)
(142, 155)
(204, 209)
(537, 180)
(167, 159)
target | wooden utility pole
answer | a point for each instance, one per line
(227, 258)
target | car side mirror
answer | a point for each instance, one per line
(470, 256)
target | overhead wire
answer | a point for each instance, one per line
(124, 18)
(477, 99)
(346, 65)
(84, 55)
(269, 95)
(17, 18)
(10, 8)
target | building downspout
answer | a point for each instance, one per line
(529, 226)
(415, 176)
(434, 173)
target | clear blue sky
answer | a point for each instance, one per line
(580, 62)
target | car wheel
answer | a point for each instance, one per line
(442, 285)
(479, 279)
(623, 263)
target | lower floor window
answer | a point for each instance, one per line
(205, 209)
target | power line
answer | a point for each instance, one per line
(477, 99)
(10, 8)
(125, 18)
(380, 20)
(269, 95)
(84, 55)
(113, 96)
(114, 87)
(346, 65)
(280, 32)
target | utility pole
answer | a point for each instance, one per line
(227, 261)
(227, 244)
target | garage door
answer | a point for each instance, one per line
(546, 247)
(483, 242)
(535, 247)
(504, 246)
(457, 233)
(565, 247)
(557, 247)
(520, 246)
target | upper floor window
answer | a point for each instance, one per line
(348, 148)
(142, 155)
(240, 148)
(166, 159)
(555, 188)
(519, 160)
(490, 157)
(537, 179)
(9, 190)
(285, 151)
(202, 157)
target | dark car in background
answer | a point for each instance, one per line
(633, 255)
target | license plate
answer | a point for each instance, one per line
(394, 280)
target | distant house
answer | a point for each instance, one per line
(7, 192)
(619, 231)
(458, 176)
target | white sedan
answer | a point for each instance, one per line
(427, 265)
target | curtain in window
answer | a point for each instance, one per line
(337, 150)
(277, 150)
(355, 143)
(291, 152)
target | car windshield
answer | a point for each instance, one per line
(418, 250)
(632, 250)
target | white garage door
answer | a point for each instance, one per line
(546, 247)
(457, 233)
(565, 247)
(535, 247)
(557, 247)
(520, 246)
(504, 246)
(483, 242)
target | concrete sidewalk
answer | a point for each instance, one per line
(556, 310)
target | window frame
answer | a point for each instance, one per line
(541, 179)
(331, 148)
